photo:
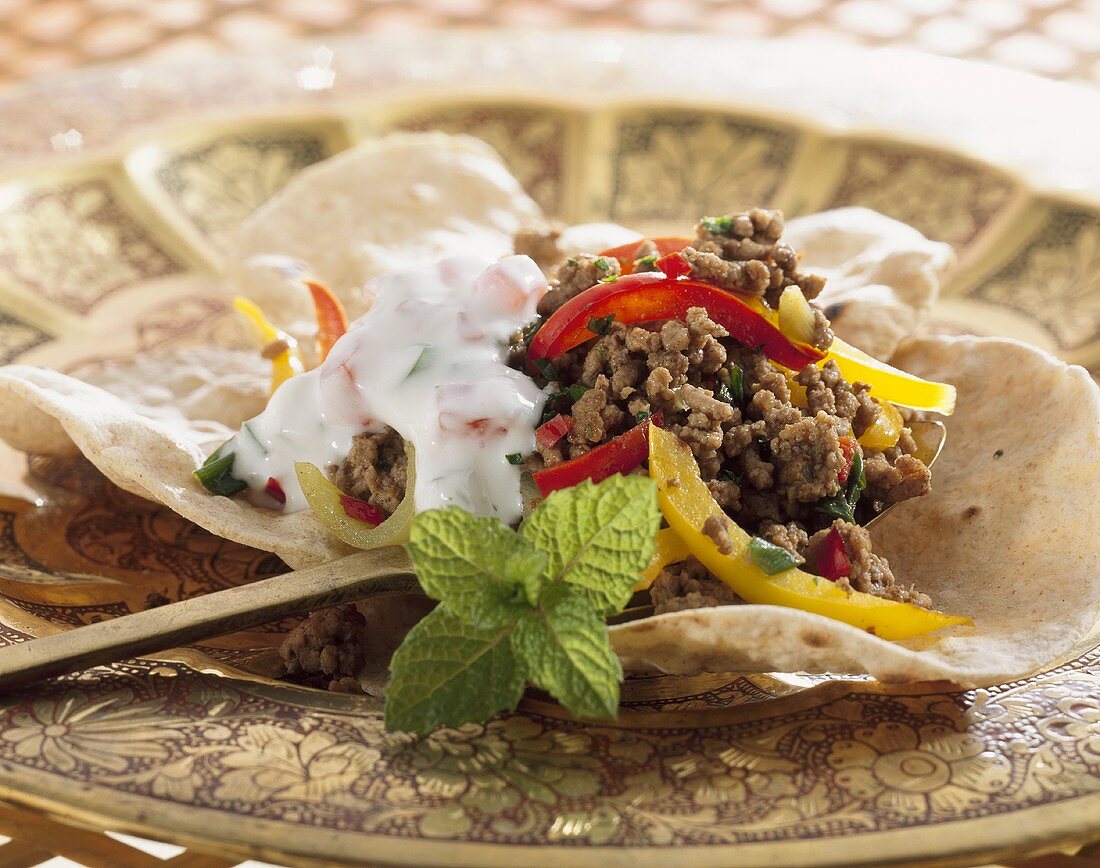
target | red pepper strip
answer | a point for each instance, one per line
(549, 433)
(620, 455)
(832, 560)
(847, 449)
(362, 511)
(652, 296)
(625, 252)
(275, 490)
(332, 322)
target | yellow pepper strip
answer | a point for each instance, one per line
(687, 503)
(286, 362)
(670, 550)
(324, 500)
(885, 431)
(888, 383)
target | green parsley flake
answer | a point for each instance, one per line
(718, 225)
(603, 264)
(600, 325)
(546, 368)
(514, 458)
(646, 263)
(737, 383)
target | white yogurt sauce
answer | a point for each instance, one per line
(430, 360)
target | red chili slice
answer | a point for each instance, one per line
(625, 252)
(332, 322)
(832, 559)
(653, 296)
(275, 490)
(848, 450)
(549, 433)
(620, 455)
(362, 511)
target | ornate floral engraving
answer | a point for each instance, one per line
(685, 164)
(1055, 279)
(220, 183)
(16, 337)
(75, 245)
(947, 198)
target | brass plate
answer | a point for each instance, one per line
(117, 246)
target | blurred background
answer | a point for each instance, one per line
(1056, 38)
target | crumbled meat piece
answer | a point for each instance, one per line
(750, 277)
(574, 276)
(907, 478)
(752, 239)
(376, 470)
(689, 585)
(870, 572)
(327, 643)
(828, 391)
(790, 536)
(808, 459)
(822, 337)
(541, 244)
(717, 528)
(589, 425)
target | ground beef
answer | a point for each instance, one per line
(376, 470)
(790, 536)
(751, 238)
(870, 572)
(574, 276)
(906, 478)
(541, 244)
(328, 645)
(689, 585)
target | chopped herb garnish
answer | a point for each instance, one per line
(573, 393)
(836, 506)
(611, 278)
(718, 225)
(737, 383)
(422, 361)
(603, 264)
(769, 557)
(843, 505)
(723, 393)
(641, 416)
(998, 453)
(216, 475)
(514, 458)
(247, 428)
(857, 479)
(546, 368)
(646, 263)
(600, 325)
(572, 260)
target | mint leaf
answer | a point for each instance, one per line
(447, 673)
(478, 568)
(567, 653)
(599, 537)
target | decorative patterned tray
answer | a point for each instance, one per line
(121, 190)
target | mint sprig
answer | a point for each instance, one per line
(522, 608)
